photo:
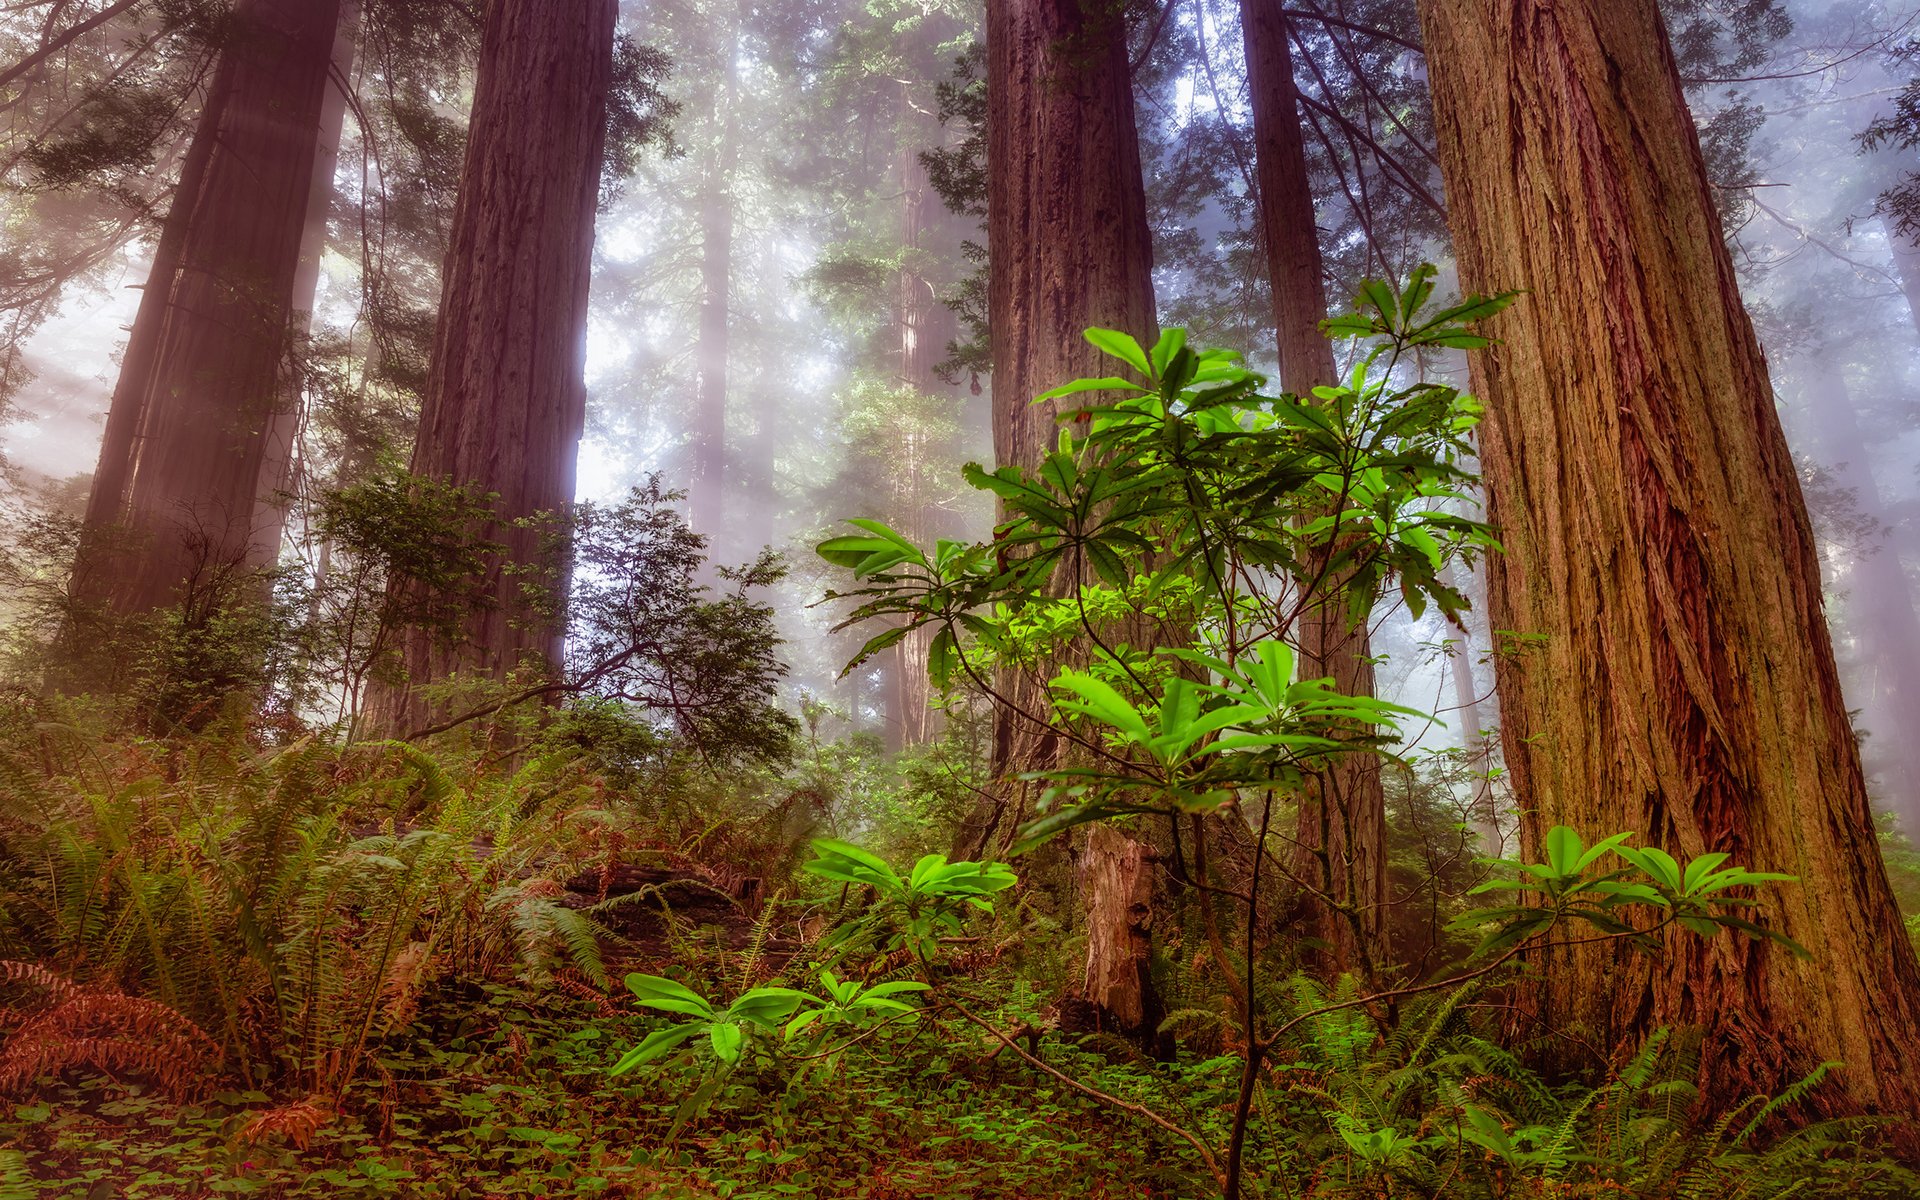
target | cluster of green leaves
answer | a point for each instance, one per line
(297, 903)
(1703, 895)
(1184, 497)
(646, 634)
(910, 912)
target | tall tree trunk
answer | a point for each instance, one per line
(506, 398)
(1880, 604)
(707, 499)
(1069, 247)
(1483, 805)
(1067, 235)
(186, 445)
(1676, 677)
(1342, 828)
(923, 325)
(282, 436)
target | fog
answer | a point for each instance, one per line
(794, 199)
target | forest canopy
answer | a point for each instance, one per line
(988, 598)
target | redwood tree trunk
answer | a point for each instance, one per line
(707, 498)
(1067, 236)
(1676, 677)
(1067, 211)
(1342, 827)
(505, 398)
(1069, 247)
(273, 492)
(186, 446)
(924, 325)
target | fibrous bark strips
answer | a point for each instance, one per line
(1668, 668)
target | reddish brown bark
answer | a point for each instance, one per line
(1672, 672)
(1116, 879)
(1067, 211)
(277, 462)
(1069, 247)
(1342, 844)
(185, 448)
(505, 398)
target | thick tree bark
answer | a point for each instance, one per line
(1069, 247)
(924, 325)
(1067, 238)
(186, 447)
(1342, 827)
(1067, 210)
(506, 398)
(1672, 672)
(1483, 805)
(1116, 879)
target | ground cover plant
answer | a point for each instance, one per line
(651, 941)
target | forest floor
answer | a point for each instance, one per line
(505, 1094)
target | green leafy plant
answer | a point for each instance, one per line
(1179, 547)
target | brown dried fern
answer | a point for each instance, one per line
(293, 1123)
(111, 1032)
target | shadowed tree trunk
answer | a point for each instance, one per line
(1342, 828)
(1067, 236)
(707, 498)
(277, 461)
(505, 398)
(1672, 672)
(924, 325)
(1069, 248)
(1483, 805)
(186, 447)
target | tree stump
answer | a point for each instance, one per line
(1116, 877)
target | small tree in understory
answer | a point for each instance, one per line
(645, 632)
(1191, 503)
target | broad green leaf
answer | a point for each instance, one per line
(727, 1040)
(656, 991)
(655, 1044)
(1109, 383)
(1120, 346)
(1699, 869)
(1564, 850)
(1655, 862)
(850, 864)
(1599, 848)
(767, 1006)
(1171, 342)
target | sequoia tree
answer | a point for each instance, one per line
(1067, 234)
(187, 453)
(1667, 668)
(506, 396)
(1069, 247)
(1342, 823)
